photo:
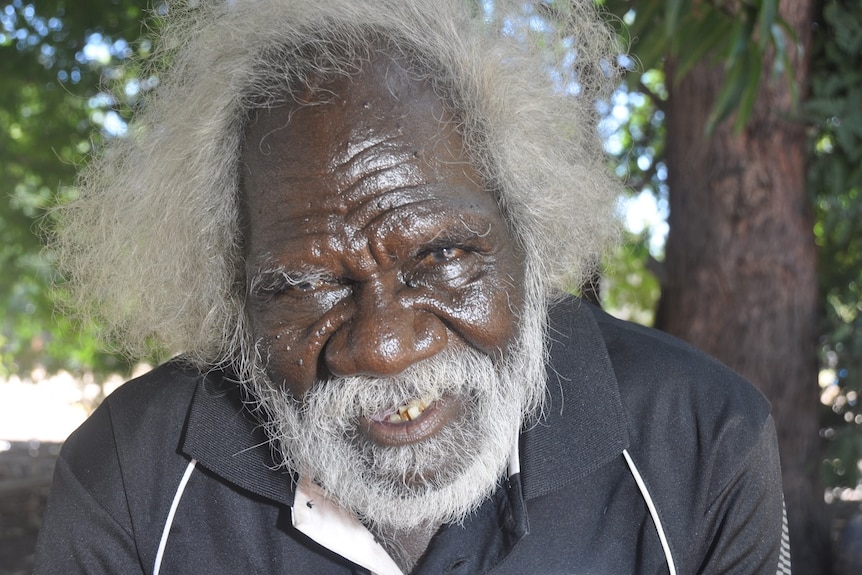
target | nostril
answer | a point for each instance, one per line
(384, 344)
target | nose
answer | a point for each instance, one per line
(385, 335)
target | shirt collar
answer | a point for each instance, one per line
(226, 438)
(583, 425)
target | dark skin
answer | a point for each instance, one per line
(371, 243)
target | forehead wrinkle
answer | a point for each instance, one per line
(375, 189)
(369, 157)
(371, 207)
(425, 220)
(371, 172)
(362, 143)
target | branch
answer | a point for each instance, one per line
(657, 102)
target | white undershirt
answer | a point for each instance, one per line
(338, 530)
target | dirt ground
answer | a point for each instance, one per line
(25, 479)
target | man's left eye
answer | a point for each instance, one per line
(444, 254)
(446, 265)
(306, 285)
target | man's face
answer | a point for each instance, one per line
(371, 243)
(385, 292)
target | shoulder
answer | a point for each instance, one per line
(650, 367)
(138, 425)
(168, 384)
(688, 415)
(685, 414)
(660, 374)
(700, 434)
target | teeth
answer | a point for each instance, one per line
(413, 411)
(410, 411)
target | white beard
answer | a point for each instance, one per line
(441, 479)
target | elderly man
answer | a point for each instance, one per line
(357, 221)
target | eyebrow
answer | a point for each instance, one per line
(273, 278)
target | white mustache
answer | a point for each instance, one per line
(350, 397)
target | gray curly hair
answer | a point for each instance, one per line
(152, 245)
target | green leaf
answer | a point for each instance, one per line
(766, 18)
(646, 15)
(782, 57)
(751, 88)
(672, 16)
(700, 37)
(650, 51)
(730, 94)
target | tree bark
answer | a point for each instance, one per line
(741, 277)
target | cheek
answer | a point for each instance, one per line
(506, 297)
(487, 314)
(290, 353)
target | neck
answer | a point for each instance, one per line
(406, 546)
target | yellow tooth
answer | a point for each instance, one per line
(411, 410)
(414, 411)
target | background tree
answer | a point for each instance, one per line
(835, 181)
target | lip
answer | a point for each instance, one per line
(436, 416)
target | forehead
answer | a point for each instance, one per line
(354, 147)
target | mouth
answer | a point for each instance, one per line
(410, 411)
(411, 422)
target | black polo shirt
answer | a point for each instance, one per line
(646, 448)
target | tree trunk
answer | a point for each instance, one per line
(741, 278)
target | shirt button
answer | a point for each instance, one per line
(457, 565)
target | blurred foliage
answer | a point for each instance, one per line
(53, 62)
(834, 112)
(633, 128)
(737, 34)
(629, 288)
